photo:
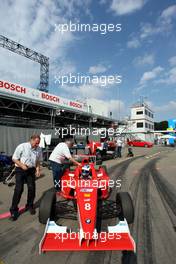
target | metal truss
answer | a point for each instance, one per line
(28, 114)
(32, 55)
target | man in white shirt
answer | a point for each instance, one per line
(119, 147)
(27, 157)
(58, 157)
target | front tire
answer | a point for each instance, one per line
(47, 207)
(124, 201)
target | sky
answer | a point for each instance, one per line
(143, 52)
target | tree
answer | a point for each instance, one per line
(163, 125)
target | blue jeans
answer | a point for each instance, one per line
(118, 152)
(58, 170)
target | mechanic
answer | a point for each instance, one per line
(58, 157)
(27, 157)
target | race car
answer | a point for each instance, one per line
(139, 143)
(88, 186)
(102, 149)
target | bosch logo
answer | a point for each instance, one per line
(50, 98)
(75, 104)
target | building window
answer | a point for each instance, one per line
(146, 125)
(140, 124)
(139, 113)
(151, 126)
(148, 113)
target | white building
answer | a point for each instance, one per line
(142, 122)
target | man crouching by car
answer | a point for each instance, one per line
(27, 157)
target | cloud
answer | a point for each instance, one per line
(172, 76)
(169, 108)
(172, 61)
(169, 13)
(163, 111)
(103, 107)
(97, 69)
(102, 2)
(163, 26)
(148, 30)
(95, 95)
(18, 69)
(121, 7)
(31, 23)
(145, 60)
(133, 43)
(150, 75)
(169, 77)
(83, 91)
(86, 90)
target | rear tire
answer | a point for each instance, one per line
(124, 201)
(47, 207)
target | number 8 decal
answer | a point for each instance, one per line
(87, 206)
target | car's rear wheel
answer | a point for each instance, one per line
(47, 206)
(125, 207)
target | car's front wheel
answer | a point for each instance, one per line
(47, 206)
(125, 207)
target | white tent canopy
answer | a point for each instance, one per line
(167, 136)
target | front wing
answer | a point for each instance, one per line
(56, 238)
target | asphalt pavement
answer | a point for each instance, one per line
(150, 178)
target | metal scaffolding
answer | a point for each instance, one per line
(32, 55)
(21, 113)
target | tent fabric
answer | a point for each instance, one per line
(167, 136)
(45, 139)
(11, 137)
